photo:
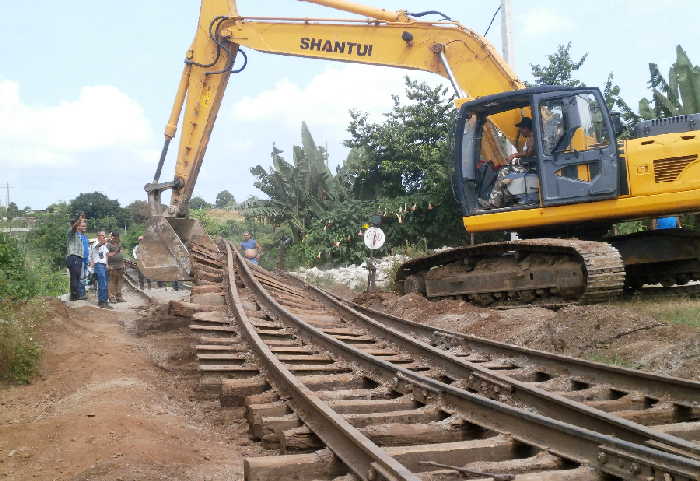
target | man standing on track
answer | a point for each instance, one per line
(251, 248)
(98, 260)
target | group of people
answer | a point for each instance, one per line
(104, 259)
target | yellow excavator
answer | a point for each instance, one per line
(576, 181)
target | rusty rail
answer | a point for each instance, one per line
(645, 382)
(609, 454)
(356, 450)
(546, 403)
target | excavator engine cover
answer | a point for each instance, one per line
(164, 251)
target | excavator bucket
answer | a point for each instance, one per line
(164, 252)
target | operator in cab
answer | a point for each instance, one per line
(511, 168)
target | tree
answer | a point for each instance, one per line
(225, 200)
(139, 211)
(197, 202)
(298, 192)
(560, 69)
(407, 153)
(97, 206)
(12, 211)
(614, 101)
(49, 236)
(16, 281)
(680, 94)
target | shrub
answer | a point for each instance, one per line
(16, 280)
(19, 348)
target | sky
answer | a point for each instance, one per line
(86, 87)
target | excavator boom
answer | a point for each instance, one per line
(383, 38)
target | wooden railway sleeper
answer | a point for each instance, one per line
(481, 409)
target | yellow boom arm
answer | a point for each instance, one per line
(384, 38)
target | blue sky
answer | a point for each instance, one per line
(86, 87)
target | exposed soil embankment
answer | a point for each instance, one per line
(613, 334)
(109, 406)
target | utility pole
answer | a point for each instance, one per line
(7, 187)
(507, 46)
(506, 37)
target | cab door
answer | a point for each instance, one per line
(577, 151)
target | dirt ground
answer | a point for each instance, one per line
(621, 334)
(110, 406)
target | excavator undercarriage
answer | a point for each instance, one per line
(524, 271)
(544, 271)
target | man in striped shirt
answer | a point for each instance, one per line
(74, 256)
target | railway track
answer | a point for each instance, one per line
(636, 406)
(319, 378)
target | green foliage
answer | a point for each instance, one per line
(139, 211)
(614, 101)
(197, 203)
(216, 228)
(225, 200)
(26, 271)
(131, 238)
(630, 227)
(560, 69)
(102, 212)
(407, 153)
(16, 282)
(49, 237)
(108, 224)
(679, 94)
(11, 211)
(19, 347)
(298, 191)
(410, 220)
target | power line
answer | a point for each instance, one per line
(492, 19)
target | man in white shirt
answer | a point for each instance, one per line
(98, 261)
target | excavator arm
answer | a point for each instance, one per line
(383, 38)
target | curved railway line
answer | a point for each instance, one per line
(391, 399)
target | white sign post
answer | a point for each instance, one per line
(374, 239)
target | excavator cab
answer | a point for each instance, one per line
(573, 151)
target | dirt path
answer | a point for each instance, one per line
(109, 406)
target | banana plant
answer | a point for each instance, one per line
(678, 95)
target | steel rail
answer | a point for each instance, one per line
(134, 285)
(546, 403)
(364, 457)
(610, 455)
(664, 387)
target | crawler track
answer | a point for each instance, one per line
(594, 272)
(385, 404)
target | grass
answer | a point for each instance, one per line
(672, 310)
(20, 350)
(612, 360)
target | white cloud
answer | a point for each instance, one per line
(327, 98)
(102, 117)
(542, 21)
